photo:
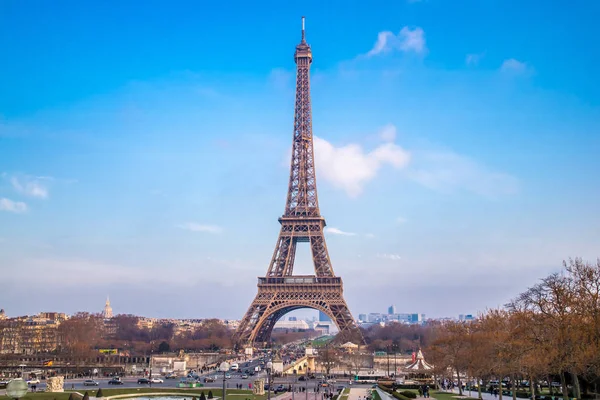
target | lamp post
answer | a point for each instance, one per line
(306, 388)
(224, 367)
(388, 361)
(150, 376)
(269, 369)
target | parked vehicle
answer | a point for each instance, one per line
(34, 381)
(90, 382)
(209, 379)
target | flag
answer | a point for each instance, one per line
(48, 363)
(414, 356)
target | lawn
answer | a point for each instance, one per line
(449, 396)
(344, 394)
(322, 341)
(375, 395)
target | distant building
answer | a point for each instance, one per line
(392, 309)
(291, 325)
(323, 329)
(30, 334)
(323, 317)
(374, 317)
(362, 317)
(2, 314)
(292, 319)
(107, 313)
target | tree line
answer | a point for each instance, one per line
(549, 333)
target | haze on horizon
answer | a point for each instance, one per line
(144, 151)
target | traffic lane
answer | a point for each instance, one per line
(131, 382)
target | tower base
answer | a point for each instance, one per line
(278, 296)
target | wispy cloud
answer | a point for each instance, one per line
(195, 227)
(407, 40)
(447, 171)
(336, 231)
(388, 133)
(33, 186)
(349, 167)
(370, 235)
(281, 78)
(473, 59)
(514, 66)
(17, 207)
(393, 257)
(400, 220)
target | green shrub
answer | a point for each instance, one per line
(409, 394)
(210, 395)
(99, 393)
(71, 396)
(202, 396)
(86, 396)
(399, 396)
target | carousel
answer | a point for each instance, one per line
(419, 371)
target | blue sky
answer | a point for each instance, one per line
(144, 150)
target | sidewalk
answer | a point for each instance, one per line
(358, 393)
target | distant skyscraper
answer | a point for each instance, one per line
(392, 309)
(323, 317)
(362, 317)
(292, 319)
(107, 313)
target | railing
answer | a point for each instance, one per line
(300, 280)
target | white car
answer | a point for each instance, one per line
(33, 381)
(156, 380)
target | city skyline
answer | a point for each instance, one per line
(452, 159)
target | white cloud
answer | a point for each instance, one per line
(400, 220)
(447, 171)
(407, 40)
(17, 207)
(31, 186)
(195, 227)
(349, 167)
(393, 257)
(473, 59)
(514, 66)
(388, 133)
(336, 231)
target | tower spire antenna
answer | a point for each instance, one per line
(303, 32)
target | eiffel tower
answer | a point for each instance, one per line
(280, 292)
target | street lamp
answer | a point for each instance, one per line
(269, 369)
(224, 367)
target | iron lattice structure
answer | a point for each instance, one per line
(280, 292)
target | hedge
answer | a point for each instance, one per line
(409, 394)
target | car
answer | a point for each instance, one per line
(115, 381)
(34, 381)
(156, 380)
(171, 376)
(90, 382)
(209, 379)
(227, 376)
(280, 389)
(245, 376)
(143, 381)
